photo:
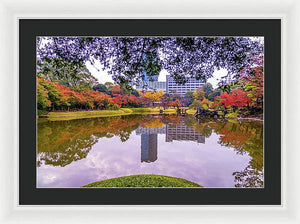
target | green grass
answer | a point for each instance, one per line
(142, 110)
(85, 114)
(59, 116)
(146, 180)
(155, 110)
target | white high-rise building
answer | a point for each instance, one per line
(190, 86)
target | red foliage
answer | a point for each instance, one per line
(256, 79)
(92, 99)
(119, 100)
(175, 103)
(237, 98)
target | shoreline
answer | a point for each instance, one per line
(251, 118)
(73, 115)
(62, 116)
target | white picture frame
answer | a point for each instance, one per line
(13, 10)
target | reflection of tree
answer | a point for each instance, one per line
(71, 151)
(174, 119)
(60, 143)
(154, 123)
(200, 126)
(249, 177)
(124, 135)
(244, 137)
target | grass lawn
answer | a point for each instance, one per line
(146, 180)
(59, 116)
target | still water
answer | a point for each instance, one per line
(208, 152)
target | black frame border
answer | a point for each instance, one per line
(30, 28)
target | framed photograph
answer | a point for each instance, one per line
(24, 200)
(150, 112)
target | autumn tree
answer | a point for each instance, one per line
(43, 101)
(65, 95)
(53, 94)
(238, 98)
(164, 100)
(175, 103)
(205, 103)
(255, 85)
(195, 104)
(199, 94)
(132, 101)
(119, 99)
(153, 96)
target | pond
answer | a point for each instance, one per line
(212, 153)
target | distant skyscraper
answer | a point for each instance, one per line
(190, 86)
(151, 83)
(148, 147)
(152, 86)
(147, 78)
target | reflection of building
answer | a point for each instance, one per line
(144, 130)
(148, 147)
(191, 85)
(178, 132)
(183, 133)
(149, 142)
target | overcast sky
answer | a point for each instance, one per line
(103, 77)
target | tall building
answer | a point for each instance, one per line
(148, 148)
(152, 85)
(190, 86)
(147, 78)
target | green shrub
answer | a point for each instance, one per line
(42, 112)
(114, 107)
(232, 115)
(220, 113)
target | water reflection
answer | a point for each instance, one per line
(181, 132)
(148, 148)
(211, 153)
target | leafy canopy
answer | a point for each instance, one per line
(182, 57)
(74, 75)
